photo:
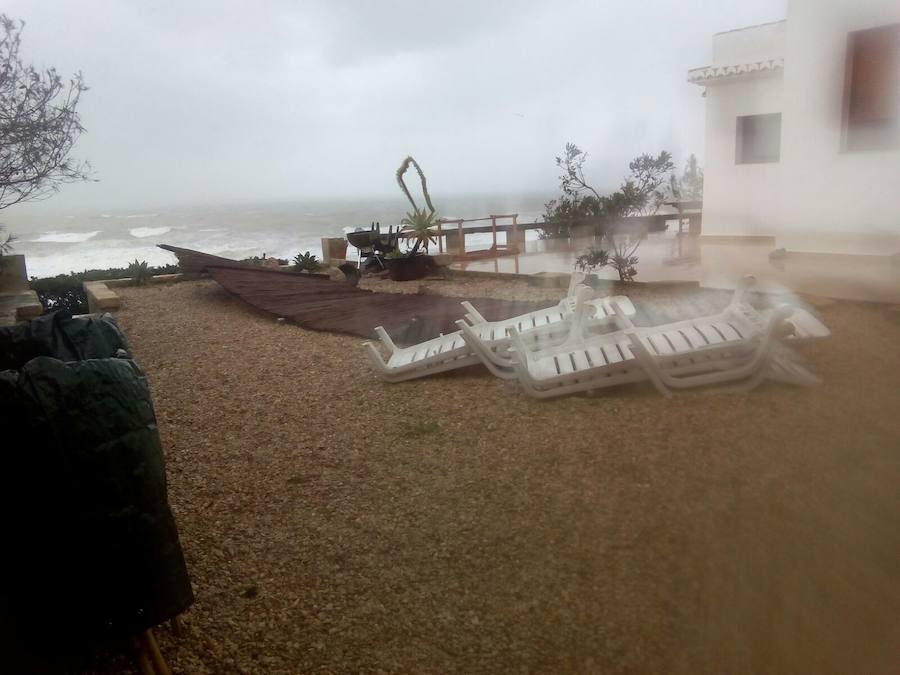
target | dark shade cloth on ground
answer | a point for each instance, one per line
(336, 306)
(318, 303)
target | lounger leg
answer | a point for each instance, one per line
(648, 363)
(376, 358)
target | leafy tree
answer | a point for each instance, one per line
(39, 124)
(689, 187)
(641, 193)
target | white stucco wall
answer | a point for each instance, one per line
(739, 199)
(746, 45)
(817, 198)
(839, 202)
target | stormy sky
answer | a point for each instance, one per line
(212, 102)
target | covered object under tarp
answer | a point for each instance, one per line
(90, 543)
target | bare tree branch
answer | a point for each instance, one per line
(39, 124)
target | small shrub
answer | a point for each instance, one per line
(396, 253)
(140, 272)
(625, 266)
(306, 262)
(592, 259)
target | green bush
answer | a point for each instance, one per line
(306, 262)
(65, 291)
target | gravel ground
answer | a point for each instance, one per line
(332, 523)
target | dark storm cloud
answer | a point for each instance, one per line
(211, 101)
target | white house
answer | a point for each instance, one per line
(803, 129)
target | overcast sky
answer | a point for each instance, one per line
(197, 102)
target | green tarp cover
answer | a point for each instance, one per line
(91, 543)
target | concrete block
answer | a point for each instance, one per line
(13, 275)
(100, 297)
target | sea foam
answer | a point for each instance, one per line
(65, 237)
(141, 232)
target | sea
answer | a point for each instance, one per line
(62, 241)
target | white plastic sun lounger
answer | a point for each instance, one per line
(737, 344)
(540, 328)
(440, 354)
(696, 352)
(800, 325)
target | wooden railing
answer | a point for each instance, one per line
(461, 231)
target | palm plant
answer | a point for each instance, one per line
(139, 271)
(306, 262)
(417, 223)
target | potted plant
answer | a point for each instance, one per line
(417, 228)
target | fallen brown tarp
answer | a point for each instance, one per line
(317, 303)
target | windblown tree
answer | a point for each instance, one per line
(689, 187)
(640, 194)
(39, 124)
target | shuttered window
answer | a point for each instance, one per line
(872, 89)
(758, 139)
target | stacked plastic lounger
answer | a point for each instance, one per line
(540, 328)
(737, 345)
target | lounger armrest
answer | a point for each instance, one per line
(473, 313)
(385, 338)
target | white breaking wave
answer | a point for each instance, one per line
(141, 232)
(141, 215)
(65, 237)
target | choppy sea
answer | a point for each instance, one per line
(56, 242)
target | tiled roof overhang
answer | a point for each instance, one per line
(714, 74)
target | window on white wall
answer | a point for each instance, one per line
(758, 139)
(872, 89)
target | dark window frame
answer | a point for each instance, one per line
(744, 153)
